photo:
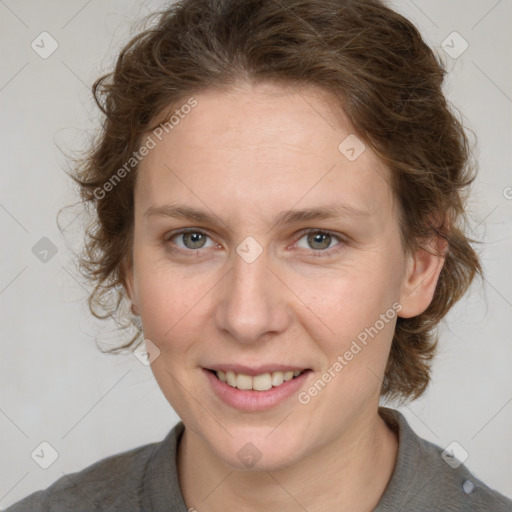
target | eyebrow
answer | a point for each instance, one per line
(329, 211)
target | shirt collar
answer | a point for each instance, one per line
(161, 490)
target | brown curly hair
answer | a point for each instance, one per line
(389, 83)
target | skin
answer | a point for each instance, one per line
(245, 155)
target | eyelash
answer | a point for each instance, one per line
(314, 254)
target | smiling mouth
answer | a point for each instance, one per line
(262, 382)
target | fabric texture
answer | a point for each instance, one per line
(146, 479)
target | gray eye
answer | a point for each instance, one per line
(194, 239)
(318, 240)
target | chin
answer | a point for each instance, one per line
(259, 449)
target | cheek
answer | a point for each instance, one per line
(356, 346)
(167, 302)
(352, 318)
(334, 305)
(348, 301)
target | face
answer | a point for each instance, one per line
(251, 291)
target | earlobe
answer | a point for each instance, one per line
(421, 277)
(127, 281)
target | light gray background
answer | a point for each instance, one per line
(55, 386)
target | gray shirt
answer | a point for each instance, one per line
(146, 479)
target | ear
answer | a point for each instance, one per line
(423, 268)
(128, 284)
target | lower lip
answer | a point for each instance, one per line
(255, 400)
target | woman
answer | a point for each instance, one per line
(279, 193)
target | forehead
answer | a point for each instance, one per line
(262, 147)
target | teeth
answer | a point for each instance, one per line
(243, 381)
(262, 382)
(277, 378)
(231, 379)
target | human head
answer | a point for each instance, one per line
(369, 59)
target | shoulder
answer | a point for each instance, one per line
(112, 483)
(456, 485)
(429, 478)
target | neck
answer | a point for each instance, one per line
(350, 474)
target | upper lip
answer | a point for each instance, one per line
(255, 370)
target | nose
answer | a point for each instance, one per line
(252, 303)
